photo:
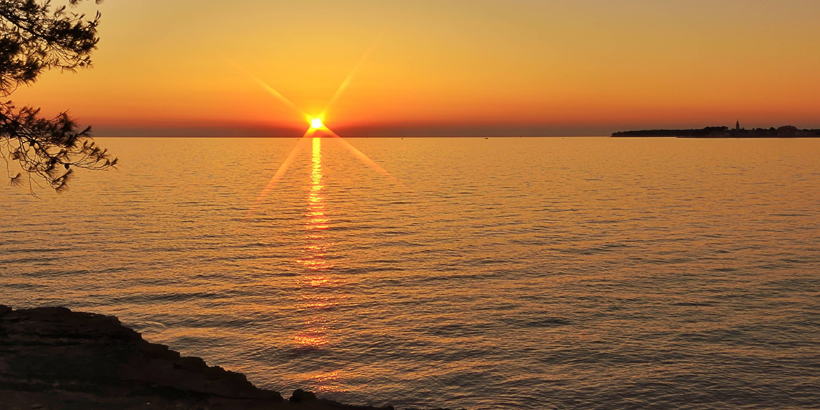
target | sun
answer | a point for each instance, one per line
(316, 123)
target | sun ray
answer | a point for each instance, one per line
(279, 173)
(350, 76)
(360, 155)
(273, 91)
(316, 125)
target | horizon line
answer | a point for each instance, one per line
(355, 136)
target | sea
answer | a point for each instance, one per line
(500, 273)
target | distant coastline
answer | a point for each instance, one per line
(787, 131)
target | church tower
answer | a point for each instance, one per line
(737, 125)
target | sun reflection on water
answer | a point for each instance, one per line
(320, 291)
(317, 223)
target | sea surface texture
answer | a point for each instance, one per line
(521, 273)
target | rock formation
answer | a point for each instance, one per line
(53, 358)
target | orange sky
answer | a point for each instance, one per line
(444, 67)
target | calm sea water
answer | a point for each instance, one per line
(500, 273)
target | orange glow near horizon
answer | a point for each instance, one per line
(273, 92)
(346, 83)
(314, 132)
(541, 65)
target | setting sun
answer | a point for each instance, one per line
(516, 204)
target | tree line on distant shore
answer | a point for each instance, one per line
(787, 131)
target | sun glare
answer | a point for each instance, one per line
(317, 130)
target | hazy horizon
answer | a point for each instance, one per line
(483, 68)
(407, 132)
(420, 203)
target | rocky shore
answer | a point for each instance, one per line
(53, 358)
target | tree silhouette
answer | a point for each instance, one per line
(36, 38)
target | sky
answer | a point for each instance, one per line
(442, 67)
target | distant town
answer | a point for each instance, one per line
(787, 131)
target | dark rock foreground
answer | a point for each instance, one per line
(53, 358)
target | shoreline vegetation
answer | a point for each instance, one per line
(53, 358)
(787, 131)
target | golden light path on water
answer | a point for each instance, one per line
(315, 134)
(561, 273)
(319, 298)
(317, 222)
(320, 295)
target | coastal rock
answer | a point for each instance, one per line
(300, 396)
(53, 358)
